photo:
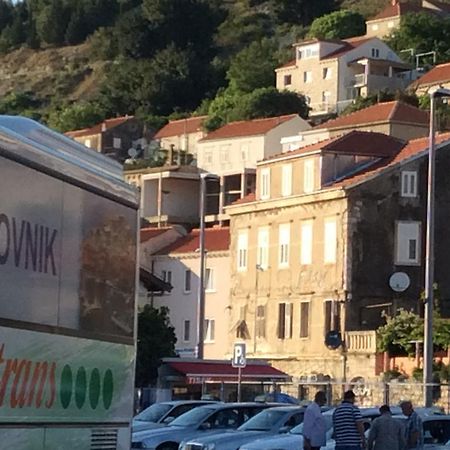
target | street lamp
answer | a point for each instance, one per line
(429, 254)
(201, 283)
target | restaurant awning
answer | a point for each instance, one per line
(199, 371)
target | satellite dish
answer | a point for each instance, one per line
(333, 339)
(132, 152)
(399, 281)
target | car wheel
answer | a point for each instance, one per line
(168, 446)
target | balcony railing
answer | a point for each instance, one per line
(361, 341)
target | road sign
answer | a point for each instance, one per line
(239, 359)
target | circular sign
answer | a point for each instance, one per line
(132, 152)
(399, 281)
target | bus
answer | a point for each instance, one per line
(68, 277)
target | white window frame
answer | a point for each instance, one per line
(186, 277)
(330, 240)
(306, 241)
(87, 143)
(209, 330)
(244, 151)
(286, 180)
(407, 232)
(262, 256)
(409, 183)
(307, 76)
(242, 251)
(209, 280)
(208, 157)
(375, 52)
(308, 175)
(326, 73)
(225, 153)
(265, 183)
(186, 321)
(284, 237)
(166, 275)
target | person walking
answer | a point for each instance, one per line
(314, 428)
(386, 433)
(414, 427)
(348, 425)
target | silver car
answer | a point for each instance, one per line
(204, 420)
(267, 423)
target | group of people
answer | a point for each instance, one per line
(386, 433)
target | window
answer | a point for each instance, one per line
(308, 52)
(306, 240)
(186, 330)
(261, 321)
(208, 157)
(87, 142)
(330, 241)
(244, 152)
(117, 143)
(409, 184)
(209, 279)
(287, 80)
(326, 95)
(307, 76)
(167, 276)
(308, 175)
(408, 243)
(224, 153)
(187, 280)
(286, 180)
(262, 257)
(265, 183)
(326, 73)
(284, 231)
(285, 320)
(375, 53)
(304, 319)
(332, 316)
(209, 330)
(242, 250)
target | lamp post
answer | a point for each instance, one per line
(429, 254)
(201, 282)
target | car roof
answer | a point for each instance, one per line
(187, 402)
(288, 408)
(235, 404)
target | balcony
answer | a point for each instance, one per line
(374, 82)
(361, 342)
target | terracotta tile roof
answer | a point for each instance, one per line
(413, 148)
(290, 63)
(438, 74)
(97, 129)
(362, 143)
(347, 46)
(248, 128)
(394, 111)
(181, 127)
(149, 233)
(216, 239)
(398, 9)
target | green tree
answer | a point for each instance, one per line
(302, 11)
(253, 67)
(77, 28)
(76, 116)
(156, 340)
(338, 25)
(51, 22)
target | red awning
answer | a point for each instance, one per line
(223, 371)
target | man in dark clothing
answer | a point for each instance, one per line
(386, 433)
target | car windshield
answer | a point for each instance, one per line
(153, 413)
(299, 428)
(264, 421)
(436, 431)
(193, 417)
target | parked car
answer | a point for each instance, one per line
(161, 414)
(208, 419)
(270, 422)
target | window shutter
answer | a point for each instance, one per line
(281, 320)
(327, 316)
(304, 319)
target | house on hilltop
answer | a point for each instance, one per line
(113, 137)
(332, 73)
(395, 118)
(438, 76)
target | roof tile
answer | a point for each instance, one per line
(216, 239)
(181, 127)
(394, 111)
(149, 233)
(436, 75)
(248, 127)
(97, 129)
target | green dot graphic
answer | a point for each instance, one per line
(108, 389)
(94, 388)
(66, 386)
(80, 387)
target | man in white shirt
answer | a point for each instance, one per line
(314, 428)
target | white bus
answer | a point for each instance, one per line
(68, 252)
